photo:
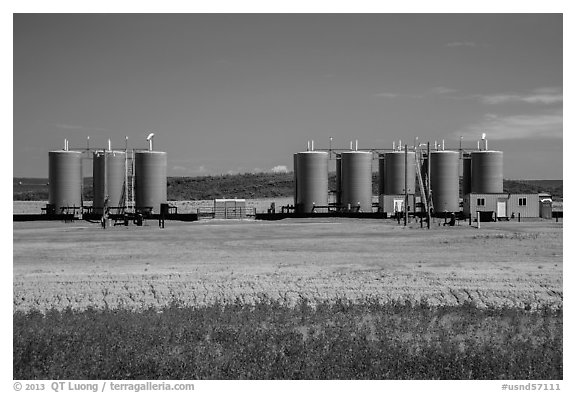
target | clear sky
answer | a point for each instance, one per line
(229, 93)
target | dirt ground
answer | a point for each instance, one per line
(81, 265)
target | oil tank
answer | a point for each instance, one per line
(487, 172)
(108, 178)
(357, 180)
(395, 173)
(295, 179)
(466, 175)
(311, 180)
(381, 173)
(444, 180)
(64, 179)
(150, 179)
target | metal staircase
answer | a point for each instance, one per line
(423, 191)
(127, 199)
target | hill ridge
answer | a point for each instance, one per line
(250, 186)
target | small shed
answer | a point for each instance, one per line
(503, 206)
(390, 204)
(230, 208)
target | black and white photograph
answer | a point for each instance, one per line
(282, 196)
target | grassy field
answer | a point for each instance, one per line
(451, 302)
(339, 340)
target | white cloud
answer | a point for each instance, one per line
(531, 126)
(280, 169)
(457, 44)
(386, 95)
(435, 91)
(547, 95)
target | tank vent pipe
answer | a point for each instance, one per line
(478, 145)
(399, 144)
(312, 145)
(442, 144)
(307, 145)
(109, 145)
(356, 145)
(351, 145)
(435, 145)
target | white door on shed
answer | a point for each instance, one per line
(501, 209)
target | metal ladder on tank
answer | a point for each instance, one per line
(127, 199)
(421, 181)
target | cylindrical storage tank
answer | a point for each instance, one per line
(109, 174)
(311, 180)
(64, 179)
(466, 176)
(150, 179)
(394, 177)
(487, 172)
(444, 181)
(381, 173)
(295, 179)
(357, 180)
(338, 180)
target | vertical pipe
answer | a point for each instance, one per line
(133, 179)
(428, 187)
(405, 185)
(312, 145)
(351, 145)
(82, 179)
(126, 173)
(105, 180)
(478, 219)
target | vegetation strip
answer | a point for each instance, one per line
(268, 340)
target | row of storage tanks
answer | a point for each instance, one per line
(109, 178)
(482, 174)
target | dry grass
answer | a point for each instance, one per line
(80, 265)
